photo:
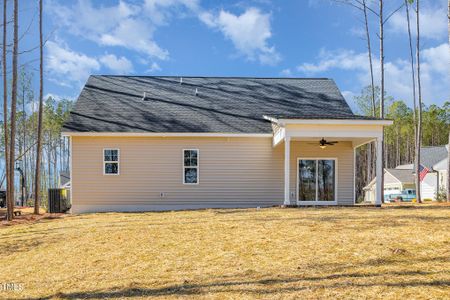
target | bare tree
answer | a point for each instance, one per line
(12, 151)
(448, 149)
(381, 37)
(419, 109)
(37, 178)
(448, 158)
(9, 215)
(411, 53)
(370, 152)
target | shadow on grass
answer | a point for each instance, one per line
(263, 286)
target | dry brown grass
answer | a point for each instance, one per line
(309, 253)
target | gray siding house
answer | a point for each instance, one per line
(161, 143)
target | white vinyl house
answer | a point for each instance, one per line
(434, 158)
(162, 143)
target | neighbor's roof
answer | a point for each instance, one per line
(222, 104)
(403, 175)
(429, 156)
(64, 178)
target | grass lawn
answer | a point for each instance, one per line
(309, 253)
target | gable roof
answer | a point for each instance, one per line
(429, 156)
(402, 175)
(201, 104)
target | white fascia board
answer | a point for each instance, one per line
(333, 122)
(167, 134)
(279, 136)
(273, 120)
(329, 133)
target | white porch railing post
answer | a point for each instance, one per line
(379, 189)
(287, 160)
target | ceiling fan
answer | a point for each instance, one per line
(323, 143)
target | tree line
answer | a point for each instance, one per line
(395, 147)
(12, 141)
(400, 137)
(55, 148)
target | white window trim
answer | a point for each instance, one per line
(336, 175)
(118, 162)
(197, 167)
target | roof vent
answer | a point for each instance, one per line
(196, 91)
(144, 97)
(181, 80)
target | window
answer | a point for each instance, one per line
(190, 166)
(111, 161)
(316, 180)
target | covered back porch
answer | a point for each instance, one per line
(317, 172)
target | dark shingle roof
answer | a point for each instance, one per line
(227, 105)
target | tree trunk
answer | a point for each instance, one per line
(12, 151)
(448, 149)
(37, 178)
(382, 94)
(24, 146)
(370, 148)
(416, 139)
(9, 214)
(419, 108)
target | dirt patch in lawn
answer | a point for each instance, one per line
(26, 216)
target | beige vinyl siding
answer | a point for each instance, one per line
(343, 152)
(233, 172)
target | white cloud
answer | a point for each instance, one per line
(249, 33)
(123, 25)
(119, 65)
(58, 98)
(342, 59)
(132, 25)
(435, 77)
(286, 73)
(154, 67)
(162, 10)
(68, 65)
(433, 21)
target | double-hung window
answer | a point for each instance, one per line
(111, 161)
(190, 166)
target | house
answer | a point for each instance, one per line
(395, 181)
(164, 143)
(64, 180)
(434, 158)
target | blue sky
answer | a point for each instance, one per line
(293, 38)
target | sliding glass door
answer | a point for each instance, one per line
(316, 180)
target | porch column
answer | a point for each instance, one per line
(379, 172)
(287, 160)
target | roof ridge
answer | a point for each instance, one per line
(226, 77)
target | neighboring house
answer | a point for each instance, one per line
(161, 143)
(64, 180)
(403, 176)
(395, 181)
